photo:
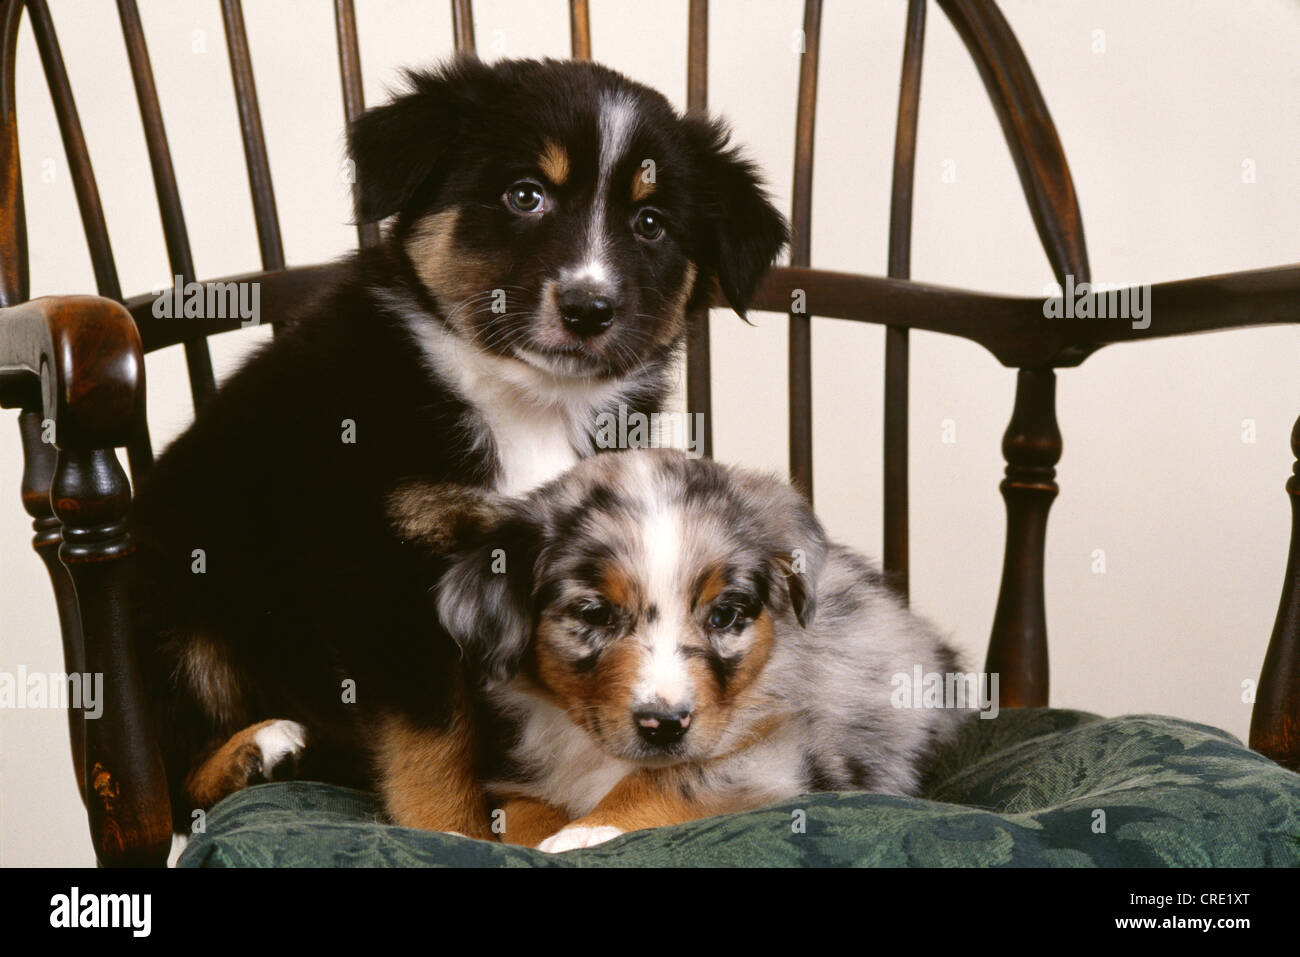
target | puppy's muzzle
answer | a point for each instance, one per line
(586, 311)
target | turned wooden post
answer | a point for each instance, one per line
(1275, 721)
(38, 473)
(1032, 447)
(125, 789)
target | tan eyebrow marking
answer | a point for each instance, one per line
(619, 586)
(641, 188)
(554, 163)
(708, 587)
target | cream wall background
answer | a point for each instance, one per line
(1157, 127)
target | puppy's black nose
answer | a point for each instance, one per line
(586, 313)
(662, 729)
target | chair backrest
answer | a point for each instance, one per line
(1024, 116)
(1011, 328)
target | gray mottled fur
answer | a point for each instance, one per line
(819, 715)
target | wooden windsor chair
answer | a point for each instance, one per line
(77, 361)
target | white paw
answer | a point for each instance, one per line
(278, 742)
(179, 843)
(572, 838)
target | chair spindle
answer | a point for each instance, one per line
(801, 456)
(74, 147)
(699, 387)
(13, 222)
(580, 29)
(354, 103)
(896, 557)
(197, 359)
(462, 26)
(269, 243)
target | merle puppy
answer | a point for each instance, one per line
(657, 638)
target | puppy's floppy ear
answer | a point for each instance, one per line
(802, 563)
(803, 598)
(744, 230)
(398, 148)
(485, 596)
(792, 536)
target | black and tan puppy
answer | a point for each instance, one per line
(552, 224)
(658, 638)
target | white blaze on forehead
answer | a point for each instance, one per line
(664, 677)
(616, 122)
(617, 118)
(591, 271)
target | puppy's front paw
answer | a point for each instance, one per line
(268, 751)
(279, 743)
(572, 838)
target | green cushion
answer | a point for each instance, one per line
(1023, 789)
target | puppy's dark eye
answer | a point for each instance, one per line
(723, 617)
(598, 614)
(526, 197)
(648, 224)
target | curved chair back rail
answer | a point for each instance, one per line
(1012, 328)
(71, 361)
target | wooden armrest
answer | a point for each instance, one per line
(79, 359)
(1015, 328)
(281, 295)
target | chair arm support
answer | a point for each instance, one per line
(1275, 721)
(77, 361)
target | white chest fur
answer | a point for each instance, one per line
(533, 444)
(571, 771)
(538, 424)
